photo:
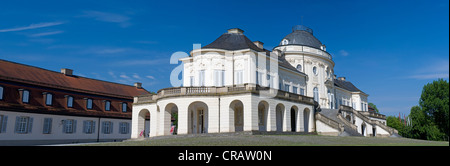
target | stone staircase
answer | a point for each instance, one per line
(346, 128)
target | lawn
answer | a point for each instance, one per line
(272, 140)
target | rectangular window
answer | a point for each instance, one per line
(269, 80)
(23, 124)
(124, 128)
(1, 92)
(48, 99)
(47, 129)
(107, 127)
(3, 123)
(219, 77)
(69, 126)
(88, 126)
(259, 76)
(294, 89)
(302, 91)
(124, 107)
(89, 103)
(201, 77)
(25, 96)
(69, 101)
(238, 77)
(191, 78)
(286, 87)
(107, 105)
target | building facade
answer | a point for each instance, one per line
(39, 106)
(234, 84)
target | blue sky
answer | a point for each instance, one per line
(388, 49)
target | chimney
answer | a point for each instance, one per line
(259, 44)
(236, 31)
(138, 85)
(67, 71)
(341, 78)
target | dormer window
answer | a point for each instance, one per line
(25, 94)
(124, 107)
(89, 103)
(48, 98)
(284, 42)
(69, 101)
(107, 105)
(1, 92)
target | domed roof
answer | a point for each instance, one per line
(301, 35)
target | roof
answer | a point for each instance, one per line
(233, 41)
(302, 35)
(346, 85)
(12, 71)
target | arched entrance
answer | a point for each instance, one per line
(237, 107)
(171, 119)
(306, 117)
(143, 123)
(294, 111)
(263, 108)
(279, 116)
(363, 129)
(198, 118)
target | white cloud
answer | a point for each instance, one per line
(124, 76)
(151, 77)
(343, 53)
(32, 26)
(135, 75)
(46, 33)
(429, 76)
(108, 17)
(433, 70)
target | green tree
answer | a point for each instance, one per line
(434, 102)
(374, 107)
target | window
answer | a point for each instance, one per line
(69, 126)
(124, 107)
(107, 127)
(47, 129)
(238, 77)
(284, 42)
(124, 128)
(1, 92)
(269, 81)
(88, 126)
(25, 96)
(302, 91)
(24, 124)
(286, 88)
(315, 70)
(48, 99)
(89, 103)
(3, 123)
(107, 105)
(69, 101)
(259, 76)
(191, 79)
(316, 94)
(299, 67)
(294, 89)
(219, 77)
(201, 76)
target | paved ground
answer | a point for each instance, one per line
(272, 140)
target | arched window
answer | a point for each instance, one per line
(299, 67)
(315, 70)
(316, 94)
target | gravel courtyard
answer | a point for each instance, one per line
(272, 140)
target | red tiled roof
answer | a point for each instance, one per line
(37, 76)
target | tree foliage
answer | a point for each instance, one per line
(374, 107)
(429, 120)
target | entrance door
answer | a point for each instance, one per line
(200, 121)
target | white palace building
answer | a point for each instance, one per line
(235, 85)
